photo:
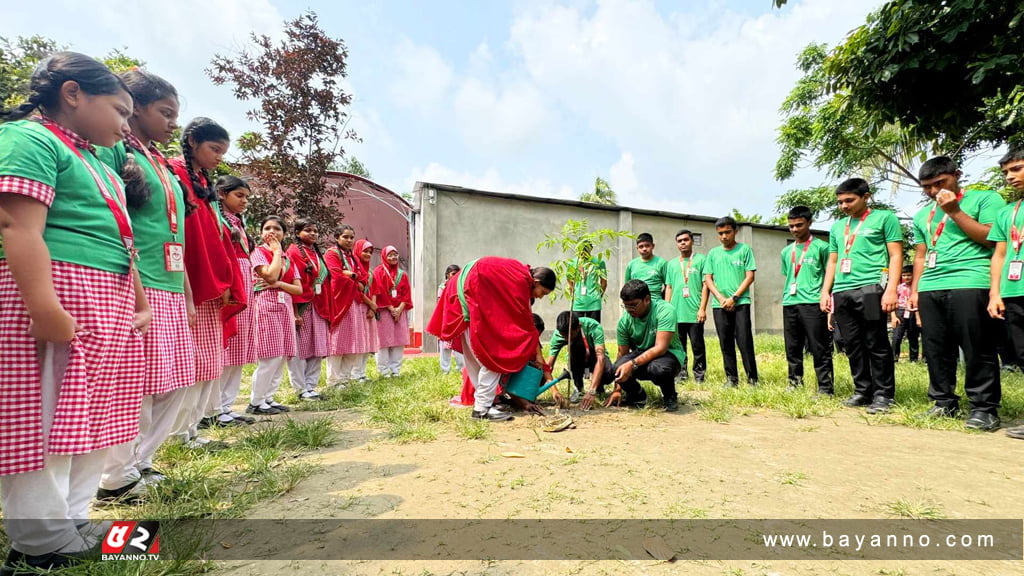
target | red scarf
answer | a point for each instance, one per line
(309, 263)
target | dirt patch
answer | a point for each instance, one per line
(651, 465)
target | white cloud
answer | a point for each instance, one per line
(622, 178)
(500, 119)
(490, 180)
(422, 77)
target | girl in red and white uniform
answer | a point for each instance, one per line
(312, 310)
(276, 280)
(368, 306)
(349, 338)
(217, 288)
(394, 300)
(240, 349)
(157, 208)
(72, 308)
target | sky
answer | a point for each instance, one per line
(675, 103)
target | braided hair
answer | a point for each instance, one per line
(200, 130)
(225, 184)
(92, 76)
(146, 88)
(300, 225)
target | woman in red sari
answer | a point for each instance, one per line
(486, 314)
(395, 300)
(312, 310)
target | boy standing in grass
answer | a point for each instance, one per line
(905, 320)
(589, 295)
(686, 291)
(865, 258)
(647, 266)
(728, 274)
(804, 323)
(950, 287)
(1006, 295)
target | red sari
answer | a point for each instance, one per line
(498, 294)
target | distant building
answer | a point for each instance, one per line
(378, 214)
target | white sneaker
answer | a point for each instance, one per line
(575, 396)
(309, 395)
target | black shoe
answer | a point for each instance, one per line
(857, 400)
(122, 495)
(227, 423)
(732, 383)
(698, 379)
(752, 382)
(243, 419)
(880, 405)
(1017, 432)
(983, 421)
(492, 415)
(19, 563)
(672, 406)
(682, 377)
(638, 402)
(205, 423)
(280, 407)
(268, 411)
(942, 412)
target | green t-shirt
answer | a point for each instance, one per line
(728, 269)
(593, 333)
(151, 223)
(686, 308)
(642, 333)
(589, 296)
(80, 228)
(1000, 232)
(812, 271)
(959, 261)
(868, 255)
(652, 272)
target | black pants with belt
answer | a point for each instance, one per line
(661, 371)
(863, 325)
(735, 329)
(958, 319)
(807, 324)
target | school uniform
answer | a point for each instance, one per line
(589, 297)
(392, 335)
(641, 334)
(313, 306)
(240, 348)
(652, 272)
(862, 263)
(1009, 228)
(686, 277)
(906, 326)
(583, 352)
(486, 315)
(371, 291)
(169, 350)
(351, 333)
(729, 268)
(212, 271)
(804, 324)
(274, 319)
(445, 352)
(65, 410)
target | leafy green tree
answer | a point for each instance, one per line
(352, 165)
(602, 193)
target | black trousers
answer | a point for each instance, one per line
(955, 319)
(806, 324)
(580, 361)
(734, 328)
(863, 325)
(1015, 327)
(661, 371)
(695, 333)
(595, 314)
(907, 327)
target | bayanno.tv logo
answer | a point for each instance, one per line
(132, 541)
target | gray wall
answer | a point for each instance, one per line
(454, 225)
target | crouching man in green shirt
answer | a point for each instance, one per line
(649, 348)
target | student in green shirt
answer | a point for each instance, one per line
(685, 290)
(589, 296)
(865, 249)
(950, 289)
(647, 266)
(649, 348)
(804, 322)
(1006, 295)
(585, 338)
(728, 273)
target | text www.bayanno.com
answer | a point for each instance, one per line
(860, 542)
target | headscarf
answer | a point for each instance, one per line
(358, 248)
(384, 260)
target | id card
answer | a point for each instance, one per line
(394, 293)
(884, 280)
(174, 257)
(317, 288)
(930, 260)
(792, 289)
(583, 290)
(282, 297)
(906, 313)
(1015, 270)
(686, 291)
(846, 265)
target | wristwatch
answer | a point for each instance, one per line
(635, 365)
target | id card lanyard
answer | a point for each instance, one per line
(846, 264)
(798, 265)
(1016, 239)
(934, 238)
(174, 251)
(686, 266)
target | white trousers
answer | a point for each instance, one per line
(359, 370)
(446, 356)
(340, 368)
(484, 380)
(125, 462)
(304, 373)
(266, 380)
(193, 407)
(230, 385)
(389, 360)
